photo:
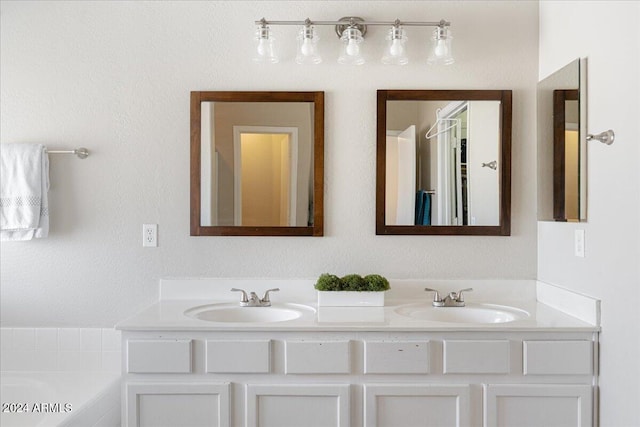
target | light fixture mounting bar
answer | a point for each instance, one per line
(351, 31)
(441, 23)
(357, 22)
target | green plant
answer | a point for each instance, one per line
(376, 283)
(352, 282)
(328, 282)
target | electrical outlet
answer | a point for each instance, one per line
(578, 243)
(150, 235)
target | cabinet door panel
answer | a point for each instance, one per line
(322, 405)
(170, 405)
(409, 405)
(535, 405)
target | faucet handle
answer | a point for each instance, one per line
(265, 298)
(436, 296)
(459, 296)
(244, 294)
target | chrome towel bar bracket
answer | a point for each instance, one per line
(606, 137)
(81, 152)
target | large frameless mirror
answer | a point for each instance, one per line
(562, 139)
(257, 163)
(443, 162)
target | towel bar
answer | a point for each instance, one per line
(81, 152)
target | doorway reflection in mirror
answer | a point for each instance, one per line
(434, 156)
(261, 174)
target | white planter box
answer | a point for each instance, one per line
(362, 314)
(350, 299)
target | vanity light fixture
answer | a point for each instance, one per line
(308, 45)
(350, 54)
(396, 53)
(265, 50)
(441, 47)
(351, 31)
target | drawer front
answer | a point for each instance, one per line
(159, 356)
(396, 357)
(238, 356)
(318, 357)
(558, 357)
(476, 357)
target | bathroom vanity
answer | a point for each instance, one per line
(376, 366)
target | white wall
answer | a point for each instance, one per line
(484, 182)
(610, 270)
(115, 77)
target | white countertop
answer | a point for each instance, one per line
(169, 314)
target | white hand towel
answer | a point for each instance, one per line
(24, 182)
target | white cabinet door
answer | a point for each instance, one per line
(424, 405)
(293, 405)
(535, 405)
(177, 404)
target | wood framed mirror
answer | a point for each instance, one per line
(443, 162)
(562, 144)
(257, 163)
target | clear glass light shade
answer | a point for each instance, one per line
(396, 52)
(308, 46)
(265, 49)
(350, 54)
(441, 52)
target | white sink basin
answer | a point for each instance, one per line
(472, 313)
(233, 313)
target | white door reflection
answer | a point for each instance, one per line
(440, 176)
(401, 177)
(265, 182)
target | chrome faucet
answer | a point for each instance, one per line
(253, 300)
(454, 299)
